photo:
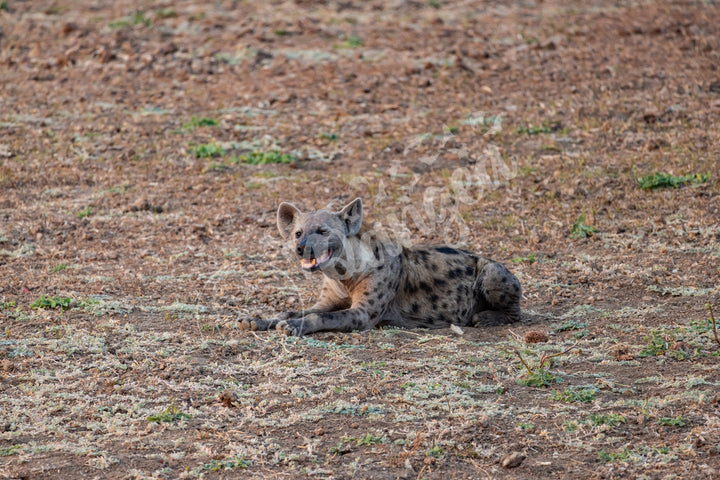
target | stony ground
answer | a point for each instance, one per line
(144, 148)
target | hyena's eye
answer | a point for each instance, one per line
(322, 231)
(298, 234)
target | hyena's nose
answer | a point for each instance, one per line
(301, 247)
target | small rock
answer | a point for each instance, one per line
(512, 460)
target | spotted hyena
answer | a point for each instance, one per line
(369, 280)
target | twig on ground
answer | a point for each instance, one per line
(712, 319)
(545, 357)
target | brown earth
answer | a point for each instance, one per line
(128, 199)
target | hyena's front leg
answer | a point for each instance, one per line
(333, 297)
(342, 321)
(370, 299)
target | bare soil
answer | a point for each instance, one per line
(128, 199)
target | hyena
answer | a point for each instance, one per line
(370, 280)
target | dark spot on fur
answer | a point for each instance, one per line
(425, 287)
(447, 250)
(433, 299)
(371, 301)
(504, 280)
(439, 282)
(503, 298)
(415, 307)
(455, 273)
(469, 271)
(410, 289)
(444, 306)
(340, 269)
(516, 287)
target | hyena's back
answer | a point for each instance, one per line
(440, 286)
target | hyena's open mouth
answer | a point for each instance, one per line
(314, 263)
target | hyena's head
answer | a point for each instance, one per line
(318, 238)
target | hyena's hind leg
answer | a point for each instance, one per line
(497, 296)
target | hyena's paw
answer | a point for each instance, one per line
(298, 326)
(256, 323)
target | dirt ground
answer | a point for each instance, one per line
(145, 146)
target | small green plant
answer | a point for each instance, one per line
(666, 180)
(531, 258)
(434, 4)
(264, 158)
(59, 268)
(605, 456)
(611, 419)
(580, 229)
(526, 426)
(7, 305)
(139, 18)
(657, 345)
(329, 136)
(569, 325)
(436, 452)
(170, 414)
(570, 395)
(196, 122)
(226, 464)
(85, 212)
(671, 422)
(45, 302)
(352, 42)
(166, 13)
(534, 130)
(11, 449)
(540, 378)
(207, 150)
(4, 5)
(369, 439)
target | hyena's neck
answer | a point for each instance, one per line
(362, 254)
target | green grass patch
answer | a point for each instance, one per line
(353, 41)
(435, 452)
(196, 122)
(169, 415)
(59, 268)
(264, 158)
(207, 150)
(533, 130)
(657, 345)
(569, 325)
(369, 439)
(540, 378)
(580, 229)
(611, 419)
(85, 212)
(570, 395)
(666, 180)
(226, 464)
(333, 137)
(672, 422)
(531, 258)
(51, 303)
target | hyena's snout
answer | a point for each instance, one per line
(313, 251)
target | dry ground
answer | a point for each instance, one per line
(128, 199)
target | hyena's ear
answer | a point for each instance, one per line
(351, 216)
(286, 215)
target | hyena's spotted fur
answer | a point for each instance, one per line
(370, 281)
